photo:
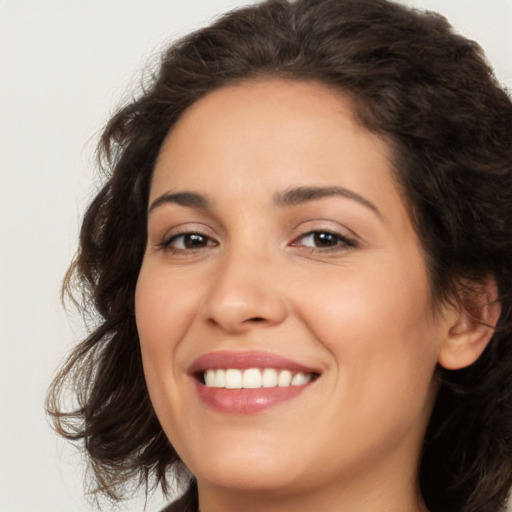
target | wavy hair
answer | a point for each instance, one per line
(431, 94)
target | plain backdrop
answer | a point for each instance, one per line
(64, 66)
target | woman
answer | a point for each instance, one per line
(302, 262)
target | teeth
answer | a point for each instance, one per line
(254, 378)
(209, 378)
(233, 379)
(220, 378)
(251, 379)
(300, 379)
(284, 378)
(269, 378)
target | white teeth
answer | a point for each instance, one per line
(220, 379)
(254, 378)
(269, 378)
(251, 379)
(284, 379)
(209, 378)
(233, 379)
(300, 378)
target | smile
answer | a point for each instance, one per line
(248, 382)
(254, 378)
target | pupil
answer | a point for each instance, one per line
(193, 241)
(325, 239)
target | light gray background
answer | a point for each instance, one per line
(64, 66)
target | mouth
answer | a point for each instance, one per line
(253, 378)
(248, 382)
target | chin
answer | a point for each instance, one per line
(246, 477)
(245, 466)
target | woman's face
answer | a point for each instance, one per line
(279, 248)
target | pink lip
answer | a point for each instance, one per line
(244, 360)
(246, 401)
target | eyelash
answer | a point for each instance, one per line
(336, 242)
(340, 242)
(166, 243)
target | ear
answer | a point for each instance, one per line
(470, 323)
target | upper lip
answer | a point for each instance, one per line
(244, 360)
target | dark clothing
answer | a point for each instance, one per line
(189, 502)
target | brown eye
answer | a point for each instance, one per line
(194, 240)
(188, 241)
(323, 240)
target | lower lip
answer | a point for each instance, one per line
(246, 401)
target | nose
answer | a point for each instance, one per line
(246, 293)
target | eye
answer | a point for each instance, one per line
(323, 240)
(187, 242)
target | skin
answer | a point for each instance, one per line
(358, 311)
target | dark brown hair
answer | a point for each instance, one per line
(430, 93)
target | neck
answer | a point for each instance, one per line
(382, 494)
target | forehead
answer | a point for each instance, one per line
(269, 135)
(306, 106)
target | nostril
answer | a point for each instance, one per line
(256, 319)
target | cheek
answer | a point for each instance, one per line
(163, 309)
(376, 322)
(163, 313)
(151, 303)
(384, 344)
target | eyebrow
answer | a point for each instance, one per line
(299, 195)
(290, 197)
(189, 199)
